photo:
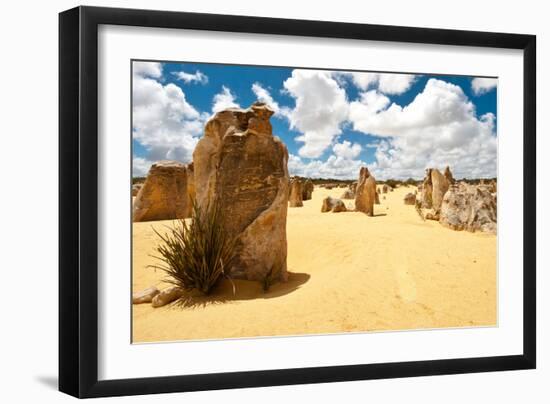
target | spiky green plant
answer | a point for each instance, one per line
(196, 256)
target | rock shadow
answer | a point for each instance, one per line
(235, 290)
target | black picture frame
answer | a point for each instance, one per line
(78, 201)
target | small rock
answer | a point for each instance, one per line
(145, 296)
(432, 216)
(333, 205)
(167, 296)
(410, 199)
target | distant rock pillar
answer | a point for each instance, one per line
(295, 198)
(440, 185)
(307, 190)
(365, 194)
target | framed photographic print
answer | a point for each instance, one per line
(251, 201)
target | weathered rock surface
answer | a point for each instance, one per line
(365, 195)
(145, 296)
(164, 194)
(242, 167)
(167, 296)
(307, 190)
(469, 207)
(434, 187)
(410, 199)
(440, 185)
(426, 190)
(493, 186)
(333, 205)
(295, 197)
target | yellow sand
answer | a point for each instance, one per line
(349, 273)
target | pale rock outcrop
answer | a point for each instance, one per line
(333, 205)
(448, 175)
(164, 193)
(426, 190)
(145, 296)
(167, 296)
(242, 167)
(365, 195)
(469, 207)
(434, 187)
(307, 190)
(348, 194)
(410, 199)
(440, 185)
(295, 197)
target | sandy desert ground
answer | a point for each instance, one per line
(348, 273)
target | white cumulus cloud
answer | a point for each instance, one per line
(347, 150)
(197, 77)
(321, 108)
(164, 123)
(482, 85)
(141, 166)
(438, 128)
(223, 100)
(337, 167)
(147, 69)
(263, 95)
(387, 83)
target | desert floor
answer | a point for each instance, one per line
(348, 273)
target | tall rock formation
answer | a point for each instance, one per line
(440, 185)
(242, 167)
(434, 187)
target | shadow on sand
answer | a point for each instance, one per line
(236, 290)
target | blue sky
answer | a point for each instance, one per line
(332, 122)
